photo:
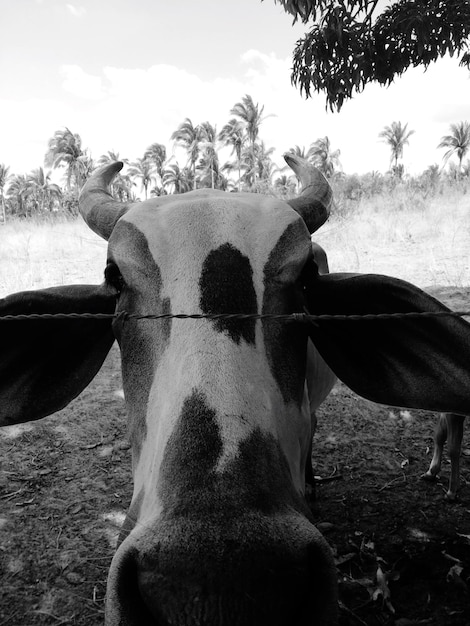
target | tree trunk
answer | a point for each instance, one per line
(253, 162)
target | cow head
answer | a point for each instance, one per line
(218, 531)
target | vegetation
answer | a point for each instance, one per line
(4, 176)
(326, 159)
(250, 168)
(397, 137)
(351, 43)
(458, 142)
(65, 149)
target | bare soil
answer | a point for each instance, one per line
(403, 552)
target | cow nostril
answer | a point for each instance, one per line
(124, 598)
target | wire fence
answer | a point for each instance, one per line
(290, 317)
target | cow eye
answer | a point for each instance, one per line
(114, 277)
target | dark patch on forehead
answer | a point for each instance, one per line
(226, 286)
(286, 343)
(258, 478)
(142, 342)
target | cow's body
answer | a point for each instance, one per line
(218, 532)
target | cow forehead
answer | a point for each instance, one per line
(185, 230)
(212, 254)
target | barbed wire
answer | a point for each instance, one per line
(294, 317)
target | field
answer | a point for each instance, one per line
(403, 552)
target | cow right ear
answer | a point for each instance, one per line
(44, 364)
(415, 362)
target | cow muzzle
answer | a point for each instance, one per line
(257, 570)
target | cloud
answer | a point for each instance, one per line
(76, 11)
(79, 83)
(24, 139)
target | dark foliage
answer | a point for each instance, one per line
(350, 44)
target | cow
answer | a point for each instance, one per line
(448, 428)
(218, 531)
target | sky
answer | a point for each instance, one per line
(124, 74)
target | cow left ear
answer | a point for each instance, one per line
(44, 364)
(421, 362)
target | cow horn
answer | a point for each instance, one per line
(313, 204)
(96, 205)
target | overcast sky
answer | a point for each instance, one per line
(125, 73)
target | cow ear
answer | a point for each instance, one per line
(421, 362)
(44, 364)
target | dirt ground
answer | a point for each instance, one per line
(403, 552)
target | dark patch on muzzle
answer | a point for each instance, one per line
(191, 452)
(258, 478)
(226, 285)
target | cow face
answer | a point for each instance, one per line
(219, 427)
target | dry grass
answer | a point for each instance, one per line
(424, 241)
(35, 255)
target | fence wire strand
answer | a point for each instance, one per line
(294, 317)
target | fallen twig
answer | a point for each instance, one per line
(335, 475)
(391, 482)
(352, 614)
(9, 496)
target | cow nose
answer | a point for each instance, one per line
(125, 603)
(266, 570)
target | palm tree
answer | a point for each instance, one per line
(4, 177)
(122, 184)
(188, 136)
(111, 157)
(265, 167)
(248, 164)
(143, 170)
(299, 151)
(251, 116)
(65, 150)
(466, 169)
(321, 155)
(179, 179)
(156, 154)
(84, 169)
(397, 137)
(232, 135)
(257, 164)
(122, 188)
(285, 185)
(458, 142)
(209, 163)
(43, 192)
(18, 192)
